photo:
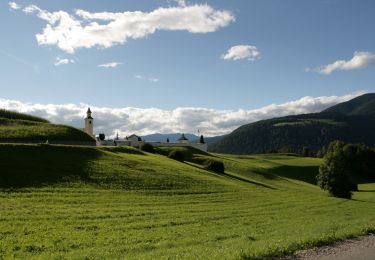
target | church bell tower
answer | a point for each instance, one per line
(89, 123)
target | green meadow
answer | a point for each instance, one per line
(30, 130)
(74, 202)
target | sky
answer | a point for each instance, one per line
(176, 66)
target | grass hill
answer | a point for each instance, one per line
(117, 202)
(19, 116)
(352, 122)
(17, 127)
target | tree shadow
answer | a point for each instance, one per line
(231, 176)
(301, 173)
(25, 166)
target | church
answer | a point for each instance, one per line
(134, 140)
(89, 123)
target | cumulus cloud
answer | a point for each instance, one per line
(210, 122)
(360, 60)
(241, 52)
(14, 6)
(59, 61)
(110, 65)
(84, 29)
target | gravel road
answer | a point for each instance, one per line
(361, 248)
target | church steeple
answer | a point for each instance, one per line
(88, 113)
(89, 123)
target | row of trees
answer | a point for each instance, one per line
(344, 165)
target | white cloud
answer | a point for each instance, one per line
(360, 60)
(110, 65)
(153, 80)
(142, 121)
(150, 79)
(83, 29)
(181, 2)
(240, 52)
(59, 61)
(14, 6)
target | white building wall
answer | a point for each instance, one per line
(199, 146)
(138, 144)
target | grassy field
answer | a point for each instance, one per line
(94, 203)
(32, 130)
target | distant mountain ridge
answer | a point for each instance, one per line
(352, 121)
(173, 137)
(362, 105)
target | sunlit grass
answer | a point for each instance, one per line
(129, 204)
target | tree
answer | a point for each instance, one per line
(201, 140)
(146, 147)
(101, 137)
(306, 152)
(334, 173)
(215, 166)
(176, 155)
(167, 140)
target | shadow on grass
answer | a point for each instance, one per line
(246, 180)
(232, 176)
(301, 173)
(37, 165)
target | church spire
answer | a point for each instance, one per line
(89, 123)
(88, 113)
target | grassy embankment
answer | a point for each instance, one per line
(78, 202)
(17, 127)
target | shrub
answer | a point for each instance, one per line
(215, 166)
(101, 137)
(147, 148)
(176, 155)
(334, 174)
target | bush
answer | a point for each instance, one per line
(101, 137)
(334, 173)
(215, 166)
(147, 148)
(176, 155)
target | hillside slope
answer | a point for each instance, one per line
(117, 202)
(362, 105)
(17, 127)
(292, 133)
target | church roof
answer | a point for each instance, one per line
(88, 110)
(183, 138)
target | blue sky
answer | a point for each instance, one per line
(297, 44)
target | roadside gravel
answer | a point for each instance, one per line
(359, 248)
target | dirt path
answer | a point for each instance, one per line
(361, 248)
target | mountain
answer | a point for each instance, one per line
(172, 137)
(22, 128)
(213, 139)
(352, 121)
(362, 105)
